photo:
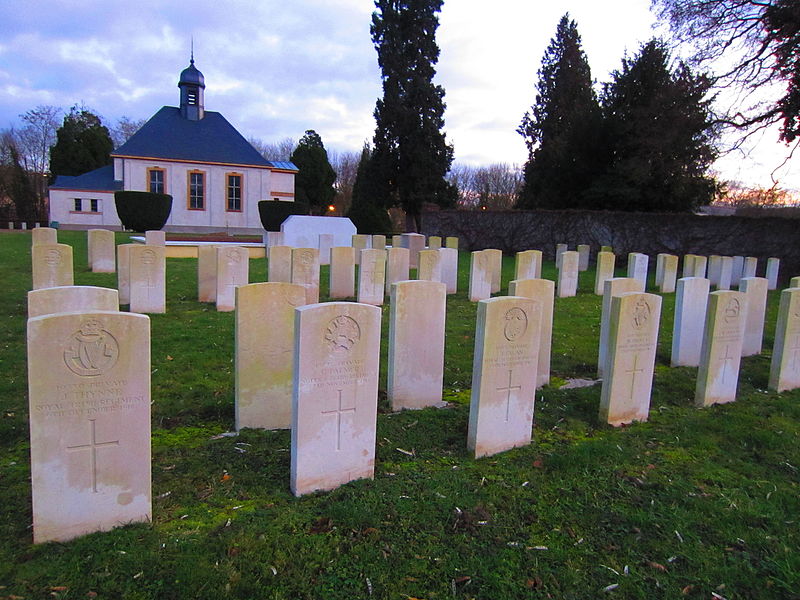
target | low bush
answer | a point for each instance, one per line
(142, 211)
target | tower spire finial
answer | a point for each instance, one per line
(191, 59)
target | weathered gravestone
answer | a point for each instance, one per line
(690, 317)
(416, 344)
(794, 282)
(669, 275)
(583, 257)
(434, 242)
(750, 266)
(637, 267)
(414, 242)
(542, 292)
(148, 279)
(44, 235)
(784, 371)
(305, 271)
(451, 242)
(396, 266)
(504, 374)
(688, 265)
(397, 241)
(89, 398)
(449, 260)
(51, 265)
(372, 277)
(700, 263)
(630, 361)
(721, 354)
(714, 269)
(430, 265)
(755, 293)
(279, 265)
(378, 242)
(605, 271)
(155, 237)
(273, 238)
(495, 258)
(264, 353)
(480, 277)
(71, 298)
(360, 242)
(335, 395)
(207, 273)
(568, 274)
(342, 272)
(102, 254)
(773, 266)
(528, 264)
(560, 249)
(124, 272)
(233, 270)
(614, 286)
(725, 273)
(737, 270)
(325, 245)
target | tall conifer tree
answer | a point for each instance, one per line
(83, 144)
(315, 176)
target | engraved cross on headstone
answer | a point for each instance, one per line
(725, 359)
(93, 445)
(633, 373)
(510, 388)
(338, 412)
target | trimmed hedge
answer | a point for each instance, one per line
(142, 211)
(275, 212)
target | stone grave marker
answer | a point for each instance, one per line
(51, 265)
(721, 354)
(414, 242)
(273, 238)
(614, 286)
(773, 266)
(397, 241)
(568, 274)
(89, 398)
(528, 264)
(480, 277)
(207, 273)
(451, 242)
(495, 268)
(630, 362)
(737, 270)
(688, 265)
(325, 244)
(102, 254)
(416, 344)
(784, 371)
(560, 249)
(607, 249)
(434, 242)
(71, 298)
(750, 266)
(335, 395)
(155, 237)
(148, 279)
(360, 242)
(755, 294)
(372, 277)
(302, 231)
(44, 235)
(541, 291)
(305, 271)
(670, 274)
(342, 273)
(794, 282)
(714, 269)
(700, 263)
(637, 267)
(279, 264)
(124, 273)
(264, 353)
(430, 265)
(605, 271)
(233, 270)
(660, 258)
(583, 257)
(449, 260)
(690, 317)
(396, 266)
(725, 272)
(504, 374)
(378, 242)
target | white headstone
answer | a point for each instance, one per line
(773, 266)
(302, 231)
(750, 266)
(207, 273)
(434, 242)
(528, 264)
(233, 270)
(414, 242)
(690, 317)
(568, 274)
(637, 267)
(614, 286)
(325, 245)
(714, 269)
(669, 275)
(700, 263)
(360, 242)
(396, 266)
(155, 237)
(378, 242)
(604, 271)
(148, 279)
(279, 264)
(720, 357)
(102, 255)
(372, 277)
(755, 293)
(737, 270)
(560, 249)
(495, 267)
(273, 238)
(725, 272)
(451, 242)
(305, 271)
(449, 260)
(583, 257)
(51, 265)
(342, 272)
(44, 235)
(430, 265)
(541, 291)
(124, 273)
(71, 298)
(784, 372)
(480, 277)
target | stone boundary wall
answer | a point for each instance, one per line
(650, 233)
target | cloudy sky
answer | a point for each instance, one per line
(275, 69)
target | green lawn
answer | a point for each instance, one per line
(692, 504)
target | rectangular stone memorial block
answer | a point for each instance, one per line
(615, 286)
(528, 264)
(148, 279)
(773, 266)
(480, 276)
(273, 238)
(233, 270)
(630, 362)
(583, 257)
(102, 254)
(302, 231)
(396, 266)
(378, 242)
(325, 245)
(372, 277)
(784, 371)
(360, 242)
(155, 237)
(124, 273)
(207, 273)
(335, 395)
(750, 266)
(504, 374)
(714, 269)
(637, 266)
(725, 272)
(690, 317)
(568, 274)
(305, 271)
(660, 257)
(755, 293)
(51, 265)
(44, 235)
(700, 263)
(607, 249)
(605, 271)
(449, 260)
(343, 272)
(416, 344)
(397, 241)
(89, 397)
(264, 353)
(414, 242)
(720, 356)
(560, 249)
(688, 265)
(279, 264)
(71, 298)
(434, 242)
(670, 274)
(495, 268)
(543, 292)
(451, 242)
(430, 265)
(794, 282)
(737, 270)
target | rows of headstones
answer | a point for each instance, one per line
(313, 367)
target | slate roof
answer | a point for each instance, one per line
(99, 180)
(212, 139)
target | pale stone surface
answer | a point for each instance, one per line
(207, 273)
(414, 242)
(233, 270)
(451, 242)
(416, 344)
(124, 273)
(737, 270)
(637, 266)
(630, 362)
(495, 268)
(51, 265)
(560, 249)
(784, 371)
(279, 264)
(360, 242)
(397, 241)
(688, 265)
(434, 242)
(273, 238)
(773, 266)
(430, 265)
(660, 258)
(480, 277)
(378, 242)
(755, 294)
(504, 374)
(604, 271)
(396, 266)
(343, 272)
(714, 269)
(44, 235)
(720, 356)
(615, 286)
(583, 257)
(670, 274)
(325, 244)
(528, 264)
(794, 282)
(305, 271)
(148, 279)
(264, 350)
(568, 274)
(690, 317)
(700, 263)
(543, 292)
(155, 237)
(71, 298)
(750, 266)
(89, 398)
(725, 272)
(607, 249)
(372, 277)
(302, 231)
(335, 395)
(102, 254)
(449, 260)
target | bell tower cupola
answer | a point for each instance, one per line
(192, 85)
